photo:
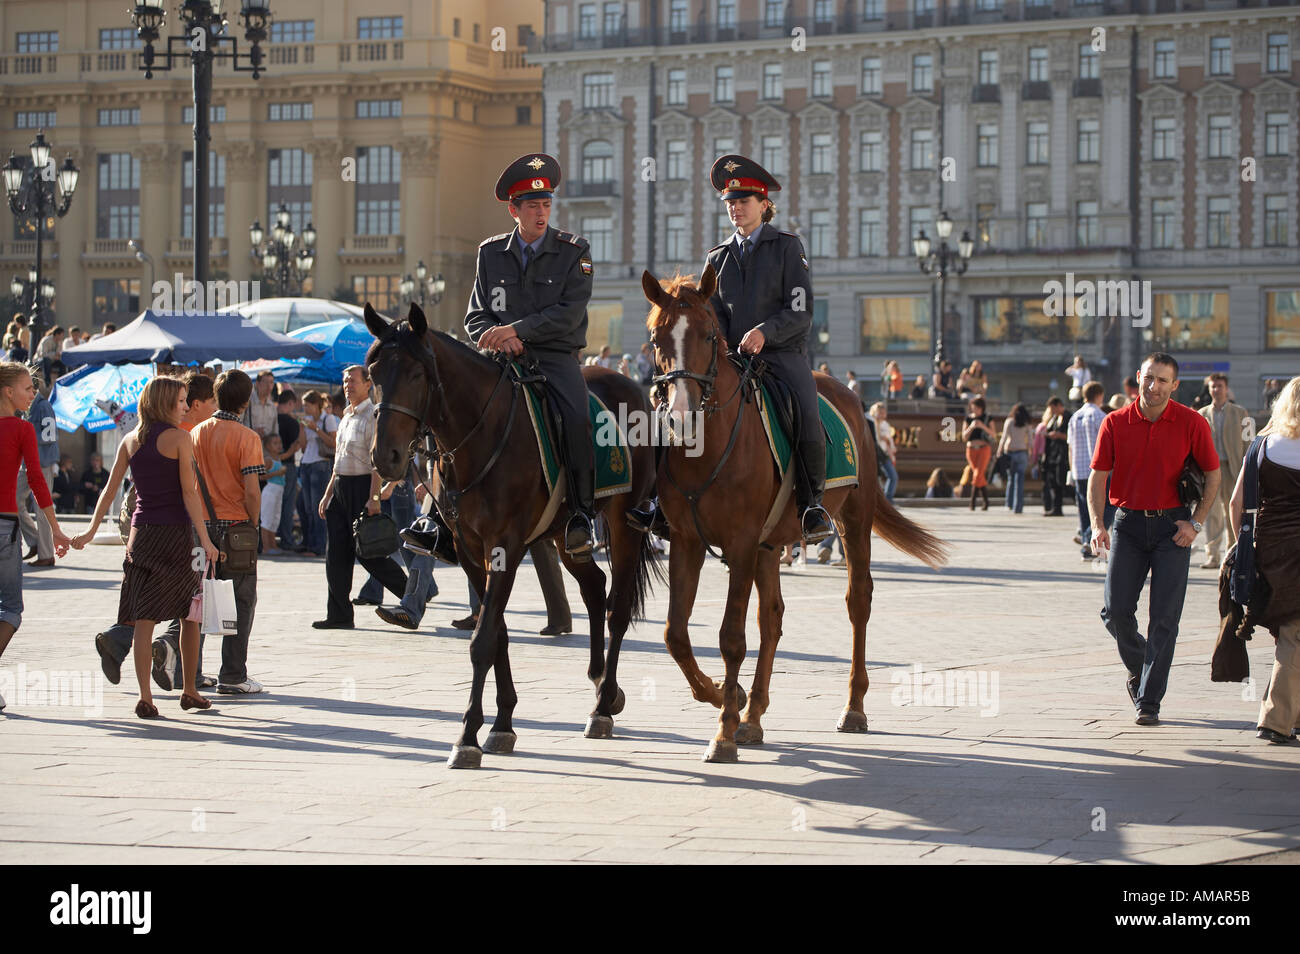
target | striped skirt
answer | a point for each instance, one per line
(158, 578)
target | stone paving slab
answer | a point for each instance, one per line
(342, 760)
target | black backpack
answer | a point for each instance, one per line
(1245, 585)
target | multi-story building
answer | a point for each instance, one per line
(1147, 140)
(382, 123)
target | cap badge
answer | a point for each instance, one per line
(539, 183)
(731, 165)
(733, 183)
(536, 162)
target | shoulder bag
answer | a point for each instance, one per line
(375, 536)
(237, 543)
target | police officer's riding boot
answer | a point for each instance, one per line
(580, 534)
(649, 521)
(816, 522)
(429, 536)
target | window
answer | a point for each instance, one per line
(455, 27)
(1036, 144)
(871, 236)
(922, 73)
(1276, 220)
(1279, 53)
(118, 38)
(824, 11)
(723, 145)
(1036, 224)
(678, 16)
(986, 144)
(1087, 231)
(379, 177)
(117, 215)
(597, 90)
(115, 299)
(873, 9)
(126, 116)
(612, 19)
(871, 75)
(34, 119)
(597, 162)
(379, 108)
(1220, 146)
(288, 182)
(1275, 134)
(922, 152)
(821, 78)
(1220, 56)
(1038, 72)
(1089, 141)
(599, 232)
(870, 147)
(772, 155)
(677, 159)
(724, 80)
(773, 13)
(523, 115)
(586, 21)
(676, 87)
(922, 6)
(820, 240)
(984, 224)
(1089, 62)
(1205, 315)
(726, 14)
(895, 325)
(293, 31)
(216, 195)
(288, 112)
(477, 34)
(1164, 142)
(1282, 319)
(1218, 222)
(675, 238)
(379, 28)
(216, 114)
(382, 291)
(822, 159)
(1162, 223)
(918, 220)
(1015, 320)
(772, 81)
(988, 6)
(1163, 63)
(988, 67)
(38, 42)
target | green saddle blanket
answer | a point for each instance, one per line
(841, 448)
(613, 460)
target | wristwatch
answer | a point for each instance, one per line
(375, 498)
(1198, 527)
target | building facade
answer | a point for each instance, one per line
(1127, 141)
(383, 123)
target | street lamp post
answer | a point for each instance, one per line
(937, 263)
(1166, 340)
(427, 288)
(31, 195)
(279, 261)
(204, 33)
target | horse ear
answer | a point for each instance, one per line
(708, 281)
(654, 292)
(375, 321)
(415, 317)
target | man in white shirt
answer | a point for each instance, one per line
(262, 409)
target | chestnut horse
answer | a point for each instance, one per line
(722, 496)
(490, 488)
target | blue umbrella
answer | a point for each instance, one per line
(345, 342)
(76, 393)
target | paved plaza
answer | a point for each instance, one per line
(1025, 752)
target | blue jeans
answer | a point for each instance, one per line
(288, 504)
(891, 476)
(419, 586)
(1142, 545)
(1016, 480)
(11, 572)
(313, 478)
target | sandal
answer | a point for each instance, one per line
(194, 702)
(396, 616)
(146, 710)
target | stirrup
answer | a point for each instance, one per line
(819, 534)
(580, 523)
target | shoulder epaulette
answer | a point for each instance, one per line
(571, 238)
(494, 238)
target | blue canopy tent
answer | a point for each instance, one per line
(166, 338)
(345, 341)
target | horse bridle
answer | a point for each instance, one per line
(707, 381)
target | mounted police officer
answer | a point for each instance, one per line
(764, 303)
(532, 288)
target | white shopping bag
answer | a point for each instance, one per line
(220, 617)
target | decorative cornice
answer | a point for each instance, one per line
(419, 155)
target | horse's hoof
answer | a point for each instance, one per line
(465, 757)
(620, 701)
(852, 721)
(744, 698)
(599, 727)
(720, 750)
(500, 743)
(749, 733)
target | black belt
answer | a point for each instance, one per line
(1166, 512)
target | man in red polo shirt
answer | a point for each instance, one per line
(1142, 448)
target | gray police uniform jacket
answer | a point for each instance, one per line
(547, 305)
(764, 293)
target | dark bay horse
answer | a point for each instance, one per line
(490, 487)
(722, 497)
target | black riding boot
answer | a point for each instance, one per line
(429, 536)
(580, 534)
(651, 520)
(816, 523)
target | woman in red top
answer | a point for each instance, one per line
(18, 445)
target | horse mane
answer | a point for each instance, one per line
(464, 351)
(680, 286)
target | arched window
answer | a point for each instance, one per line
(597, 162)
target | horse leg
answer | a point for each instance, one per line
(501, 740)
(771, 610)
(856, 540)
(731, 642)
(591, 582)
(483, 649)
(624, 554)
(684, 562)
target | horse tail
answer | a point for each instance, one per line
(906, 535)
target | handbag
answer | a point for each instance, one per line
(1245, 584)
(195, 615)
(238, 542)
(1191, 483)
(220, 613)
(375, 536)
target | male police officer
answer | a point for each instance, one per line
(764, 303)
(532, 288)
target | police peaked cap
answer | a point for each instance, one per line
(534, 176)
(736, 177)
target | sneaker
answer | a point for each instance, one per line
(823, 556)
(245, 688)
(164, 663)
(112, 668)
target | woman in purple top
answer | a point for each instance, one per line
(160, 572)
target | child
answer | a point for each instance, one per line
(272, 493)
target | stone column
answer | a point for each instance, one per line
(160, 184)
(419, 197)
(244, 161)
(329, 204)
(71, 282)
